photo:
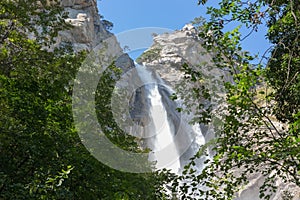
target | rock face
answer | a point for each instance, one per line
(89, 32)
(88, 29)
(284, 192)
(170, 51)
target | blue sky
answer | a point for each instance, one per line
(171, 14)
(129, 14)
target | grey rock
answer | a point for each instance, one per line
(88, 30)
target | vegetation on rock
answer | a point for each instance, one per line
(151, 54)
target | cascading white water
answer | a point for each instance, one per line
(160, 130)
(163, 133)
(168, 134)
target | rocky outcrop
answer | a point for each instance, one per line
(286, 191)
(171, 50)
(88, 30)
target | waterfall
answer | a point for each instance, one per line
(163, 133)
(167, 133)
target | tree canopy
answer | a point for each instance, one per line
(42, 156)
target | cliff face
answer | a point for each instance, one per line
(89, 32)
(171, 50)
(88, 29)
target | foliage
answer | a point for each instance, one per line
(257, 138)
(104, 92)
(150, 54)
(107, 24)
(41, 154)
(34, 97)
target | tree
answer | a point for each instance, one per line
(41, 154)
(260, 132)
